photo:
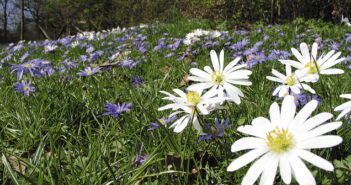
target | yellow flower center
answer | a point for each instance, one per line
(162, 121)
(26, 88)
(280, 140)
(29, 65)
(90, 72)
(193, 97)
(313, 69)
(291, 80)
(217, 77)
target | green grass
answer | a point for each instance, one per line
(58, 134)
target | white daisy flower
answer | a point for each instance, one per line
(307, 61)
(221, 79)
(289, 82)
(190, 103)
(284, 141)
(345, 107)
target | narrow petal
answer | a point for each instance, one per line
(255, 170)
(221, 60)
(326, 141)
(302, 175)
(200, 73)
(326, 57)
(198, 79)
(269, 171)
(274, 113)
(278, 74)
(332, 71)
(315, 159)
(343, 113)
(316, 120)
(254, 130)
(293, 63)
(305, 112)
(314, 50)
(275, 79)
(231, 64)
(298, 56)
(343, 106)
(305, 52)
(285, 169)
(182, 124)
(348, 96)
(214, 60)
(321, 130)
(247, 143)
(208, 69)
(288, 109)
(245, 159)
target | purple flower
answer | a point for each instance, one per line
(69, 64)
(169, 55)
(163, 122)
(116, 110)
(348, 37)
(88, 71)
(136, 81)
(239, 45)
(139, 159)
(278, 54)
(83, 58)
(24, 87)
(334, 45)
(217, 132)
(31, 66)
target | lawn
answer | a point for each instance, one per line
(84, 109)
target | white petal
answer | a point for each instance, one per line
(231, 64)
(316, 120)
(274, 113)
(298, 56)
(288, 69)
(343, 113)
(331, 61)
(343, 106)
(332, 71)
(275, 79)
(276, 90)
(198, 86)
(326, 141)
(285, 169)
(221, 60)
(314, 50)
(278, 74)
(169, 106)
(305, 52)
(302, 175)
(254, 130)
(208, 69)
(240, 74)
(214, 60)
(288, 109)
(283, 91)
(179, 92)
(198, 79)
(305, 112)
(255, 170)
(181, 126)
(240, 82)
(200, 73)
(196, 124)
(315, 160)
(245, 159)
(346, 96)
(308, 88)
(293, 63)
(235, 68)
(323, 59)
(248, 143)
(269, 171)
(321, 130)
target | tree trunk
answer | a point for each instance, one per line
(22, 20)
(5, 19)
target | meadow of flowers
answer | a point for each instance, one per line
(182, 103)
